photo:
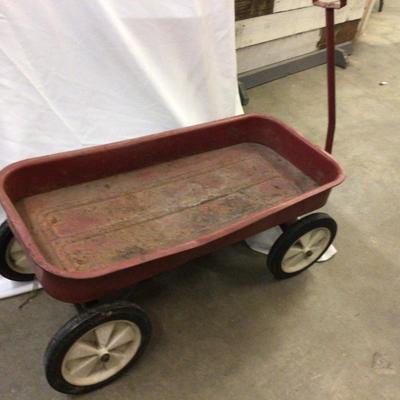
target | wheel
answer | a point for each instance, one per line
(14, 264)
(301, 245)
(95, 347)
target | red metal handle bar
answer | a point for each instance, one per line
(330, 55)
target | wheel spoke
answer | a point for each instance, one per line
(26, 265)
(317, 246)
(14, 245)
(22, 261)
(14, 253)
(115, 360)
(305, 239)
(82, 350)
(320, 239)
(85, 367)
(292, 252)
(121, 337)
(293, 260)
(317, 238)
(103, 334)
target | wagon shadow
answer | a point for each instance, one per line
(206, 295)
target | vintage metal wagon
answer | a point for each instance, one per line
(89, 222)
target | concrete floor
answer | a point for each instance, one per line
(223, 328)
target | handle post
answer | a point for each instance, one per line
(330, 65)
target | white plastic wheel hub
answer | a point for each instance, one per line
(307, 249)
(101, 353)
(17, 259)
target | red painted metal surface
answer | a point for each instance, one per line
(330, 65)
(330, 54)
(99, 219)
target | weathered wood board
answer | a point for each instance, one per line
(344, 32)
(269, 27)
(274, 51)
(286, 5)
(245, 9)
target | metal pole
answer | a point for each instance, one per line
(330, 54)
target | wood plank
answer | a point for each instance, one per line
(286, 5)
(245, 9)
(274, 51)
(345, 32)
(270, 27)
(369, 5)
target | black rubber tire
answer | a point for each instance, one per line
(79, 325)
(5, 270)
(291, 234)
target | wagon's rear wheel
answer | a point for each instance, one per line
(96, 346)
(14, 264)
(301, 245)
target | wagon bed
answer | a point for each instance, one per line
(92, 225)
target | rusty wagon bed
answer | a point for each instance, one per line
(91, 225)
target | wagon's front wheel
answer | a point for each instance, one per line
(96, 346)
(301, 245)
(14, 264)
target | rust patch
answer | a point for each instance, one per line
(92, 225)
(344, 32)
(245, 9)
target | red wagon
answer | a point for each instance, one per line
(92, 221)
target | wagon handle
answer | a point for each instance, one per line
(330, 8)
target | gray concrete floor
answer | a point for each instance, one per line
(223, 328)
